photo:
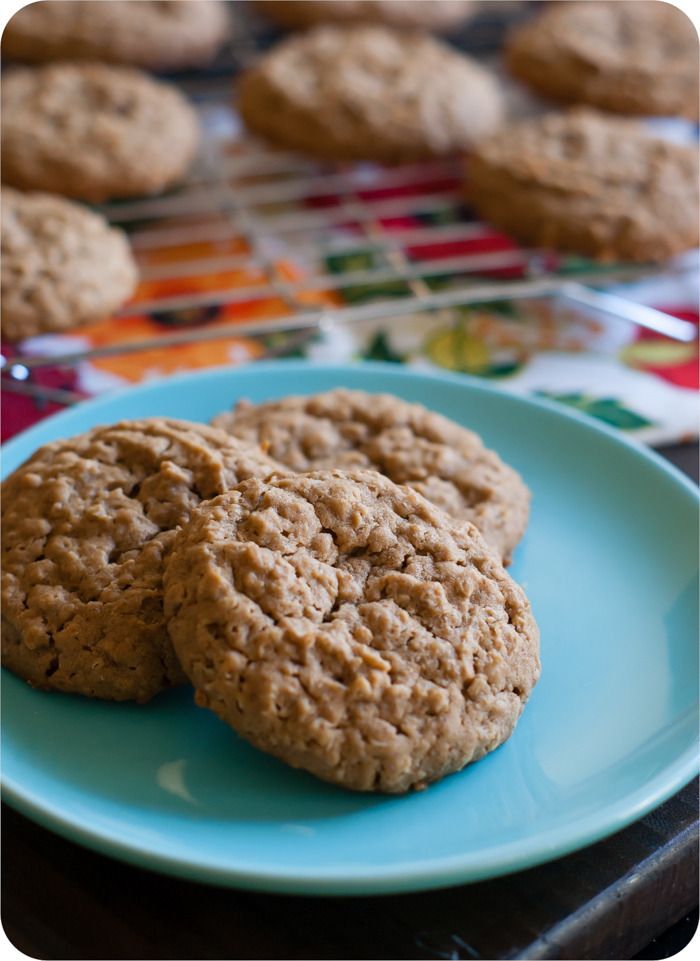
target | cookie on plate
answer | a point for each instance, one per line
(632, 57)
(62, 265)
(93, 132)
(344, 624)
(412, 14)
(369, 93)
(151, 33)
(86, 525)
(590, 183)
(351, 429)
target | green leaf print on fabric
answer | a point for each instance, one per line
(360, 293)
(608, 409)
(379, 348)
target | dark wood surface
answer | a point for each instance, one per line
(60, 901)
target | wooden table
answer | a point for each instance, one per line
(607, 901)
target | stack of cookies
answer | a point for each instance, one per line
(327, 571)
(88, 123)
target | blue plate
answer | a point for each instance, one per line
(610, 562)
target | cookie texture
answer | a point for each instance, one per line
(62, 265)
(411, 14)
(590, 183)
(351, 429)
(154, 34)
(636, 57)
(345, 625)
(86, 525)
(92, 131)
(369, 93)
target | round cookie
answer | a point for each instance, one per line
(94, 132)
(345, 625)
(589, 183)
(369, 93)
(155, 34)
(86, 525)
(636, 57)
(351, 429)
(411, 14)
(62, 265)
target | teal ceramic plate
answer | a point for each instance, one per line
(610, 564)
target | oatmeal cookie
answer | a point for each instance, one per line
(93, 132)
(345, 625)
(590, 183)
(86, 525)
(636, 57)
(348, 429)
(62, 265)
(369, 93)
(154, 34)
(412, 14)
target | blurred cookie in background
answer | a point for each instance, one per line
(94, 132)
(369, 93)
(589, 183)
(415, 14)
(62, 265)
(155, 34)
(636, 57)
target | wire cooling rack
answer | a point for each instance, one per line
(269, 248)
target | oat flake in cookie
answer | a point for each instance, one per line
(369, 93)
(344, 624)
(348, 429)
(93, 131)
(62, 265)
(155, 34)
(86, 525)
(590, 183)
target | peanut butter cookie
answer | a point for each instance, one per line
(590, 183)
(93, 132)
(412, 14)
(345, 625)
(348, 429)
(155, 34)
(62, 265)
(86, 525)
(369, 93)
(636, 57)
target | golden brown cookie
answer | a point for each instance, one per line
(155, 34)
(634, 57)
(590, 183)
(87, 523)
(351, 429)
(346, 625)
(412, 14)
(369, 93)
(62, 265)
(93, 132)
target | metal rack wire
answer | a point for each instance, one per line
(251, 223)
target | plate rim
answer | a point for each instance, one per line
(505, 858)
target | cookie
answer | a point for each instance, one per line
(153, 34)
(411, 14)
(93, 132)
(86, 525)
(590, 183)
(345, 625)
(62, 265)
(369, 93)
(632, 57)
(351, 429)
